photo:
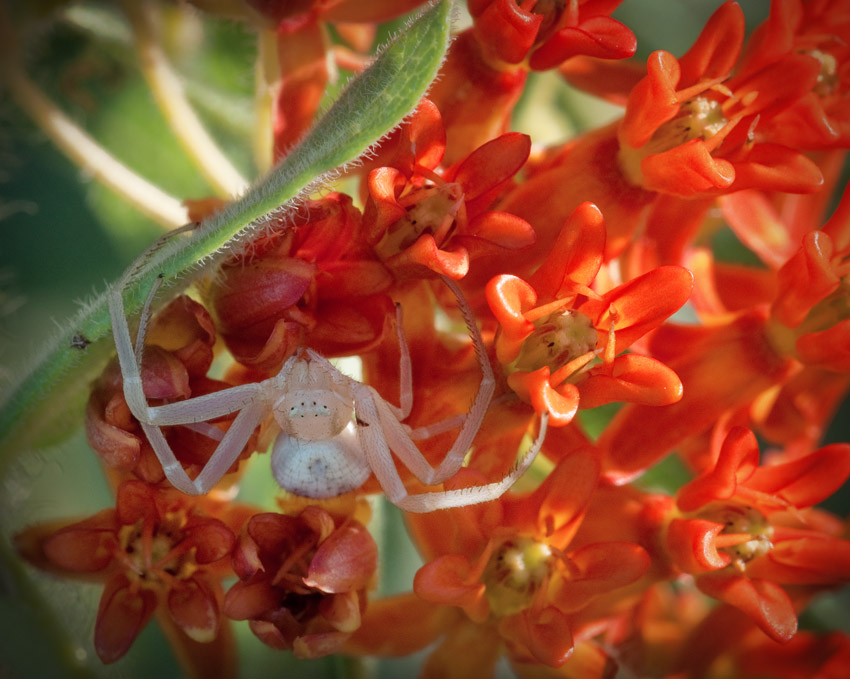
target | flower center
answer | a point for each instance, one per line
(746, 534)
(557, 339)
(698, 118)
(148, 559)
(827, 80)
(430, 210)
(514, 573)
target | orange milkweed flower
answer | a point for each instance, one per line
(742, 533)
(177, 356)
(303, 579)
(820, 118)
(157, 549)
(314, 283)
(686, 126)
(543, 34)
(420, 221)
(509, 567)
(554, 329)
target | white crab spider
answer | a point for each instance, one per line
(335, 431)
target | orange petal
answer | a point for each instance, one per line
(805, 279)
(738, 459)
(829, 349)
(576, 256)
(121, 615)
(653, 101)
(345, 561)
(452, 581)
(631, 378)
(600, 36)
(599, 568)
(545, 636)
(687, 170)
(398, 625)
(715, 51)
(808, 480)
(690, 543)
(194, 608)
(765, 602)
(560, 402)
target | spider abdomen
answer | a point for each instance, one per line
(320, 468)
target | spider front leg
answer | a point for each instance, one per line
(250, 399)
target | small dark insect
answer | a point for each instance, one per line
(79, 341)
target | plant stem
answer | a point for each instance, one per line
(171, 99)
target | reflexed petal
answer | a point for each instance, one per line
(598, 569)
(163, 375)
(351, 326)
(115, 446)
(507, 30)
(653, 101)
(494, 232)
(722, 368)
(466, 650)
(488, 166)
(631, 378)
(451, 580)
(342, 611)
(137, 501)
(772, 167)
(121, 615)
(755, 221)
(545, 636)
(250, 601)
(576, 257)
(352, 278)
(807, 480)
(560, 402)
(690, 543)
(765, 602)
(815, 560)
(509, 298)
(715, 51)
(603, 78)
(805, 279)
(738, 459)
(211, 539)
(255, 294)
(415, 624)
(600, 36)
(273, 532)
(828, 349)
(641, 305)
(556, 508)
(688, 170)
(345, 561)
(83, 547)
(425, 253)
(318, 645)
(194, 608)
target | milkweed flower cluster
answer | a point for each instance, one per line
(590, 271)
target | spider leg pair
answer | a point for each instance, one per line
(335, 431)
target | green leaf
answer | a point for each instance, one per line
(46, 403)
